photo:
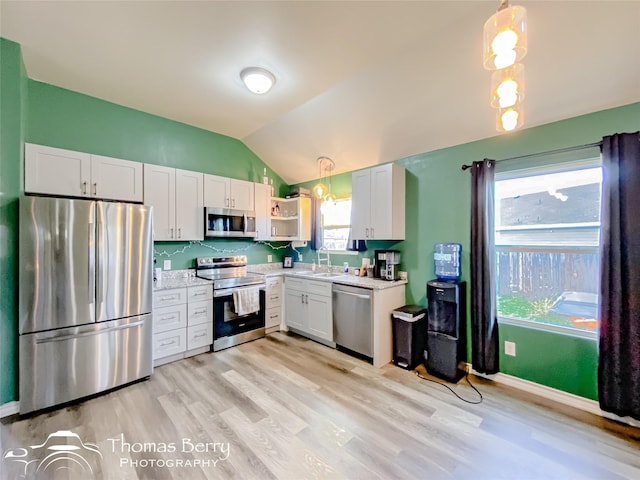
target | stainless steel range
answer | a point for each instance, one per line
(238, 300)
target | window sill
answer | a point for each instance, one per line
(545, 327)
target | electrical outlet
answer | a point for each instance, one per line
(510, 348)
(299, 257)
(167, 265)
(269, 258)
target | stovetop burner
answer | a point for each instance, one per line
(227, 272)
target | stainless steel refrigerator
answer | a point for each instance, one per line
(85, 298)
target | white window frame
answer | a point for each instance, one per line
(506, 174)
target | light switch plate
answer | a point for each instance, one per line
(269, 258)
(167, 265)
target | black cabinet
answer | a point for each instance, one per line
(446, 352)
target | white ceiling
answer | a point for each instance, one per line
(362, 82)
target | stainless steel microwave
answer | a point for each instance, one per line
(225, 222)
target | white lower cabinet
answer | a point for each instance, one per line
(273, 312)
(308, 308)
(182, 322)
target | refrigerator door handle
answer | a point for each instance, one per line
(63, 338)
(92, 263)
(98, 267)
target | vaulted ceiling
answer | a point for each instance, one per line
(361, 82)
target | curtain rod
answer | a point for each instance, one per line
(549, 152)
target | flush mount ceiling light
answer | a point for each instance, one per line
(505, 44)
(257, 79)
(320, 190)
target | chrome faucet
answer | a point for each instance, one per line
(326, 259)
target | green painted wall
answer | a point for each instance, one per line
(12, 108)
(437, 210)
(62, 118)
(66, 119)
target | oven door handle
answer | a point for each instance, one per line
(226, 292)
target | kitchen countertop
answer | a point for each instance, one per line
(187, 278)
(180, 279)
(304, 271)
(352, 280)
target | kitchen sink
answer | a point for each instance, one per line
(327, 274)
(304, 272)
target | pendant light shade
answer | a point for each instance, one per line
(507, 86)
(320, 190)
(505, 37)
(508, 119)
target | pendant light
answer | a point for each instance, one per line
(504, 45)
(325, 164)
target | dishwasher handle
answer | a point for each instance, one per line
(365, 296)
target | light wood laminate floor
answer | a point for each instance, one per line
(285, 407)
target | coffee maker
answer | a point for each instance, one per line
(387, 264)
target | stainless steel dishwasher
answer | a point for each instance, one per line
(353, 319)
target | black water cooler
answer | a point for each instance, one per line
(446, 351)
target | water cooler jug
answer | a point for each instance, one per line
(446, 352)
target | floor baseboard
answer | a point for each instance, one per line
(556, 395)
(9, 408)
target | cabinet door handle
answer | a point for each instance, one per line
(179, 232)
(169, 297)
(84, 188)
(233, 203)
(170, 342)
(372, 235)
(200, 312)
(171, 233)
(167, 317)
(197, 294)
(226, 201)
(199, 335)
(95, 189)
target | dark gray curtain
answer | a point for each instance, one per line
(355, 245)
(484, 322)
(619, 361)
(316, 224)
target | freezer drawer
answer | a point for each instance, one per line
(70, 363)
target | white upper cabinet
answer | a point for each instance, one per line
(116, 179)
(55, 171)
(189, 205)
(242, 195)
(177, 200)
(262, 198)
(223, 192)
(217, 191)
(378, 203)
(360, 204)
